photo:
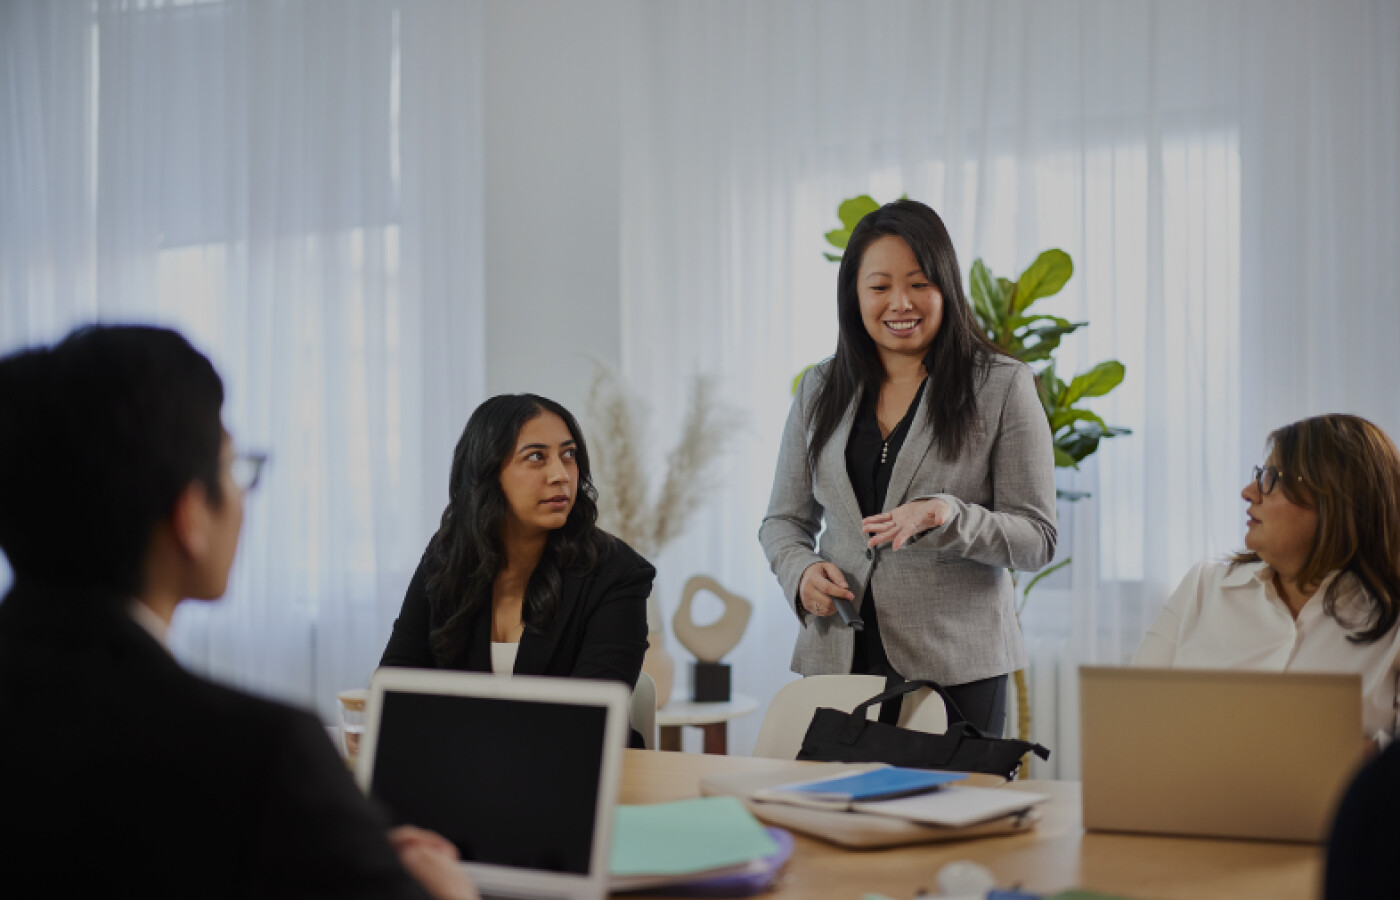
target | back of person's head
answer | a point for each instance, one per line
(1348, 470)
(99, 435)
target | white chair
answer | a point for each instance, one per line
(790, 712)
(643, 716)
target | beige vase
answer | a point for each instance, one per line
(658, 663)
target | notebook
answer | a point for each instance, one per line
(521, 774)
(878, 784)
(1217, 753)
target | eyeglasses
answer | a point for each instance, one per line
(246, 470)
(1266, 478)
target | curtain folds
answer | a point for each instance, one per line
(297, 187)
(1223, 174)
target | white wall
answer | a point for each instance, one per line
(552, 194)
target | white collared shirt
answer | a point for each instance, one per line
(1220, 618)
(147, 619)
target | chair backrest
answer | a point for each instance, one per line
(644, 710)
(790, 711)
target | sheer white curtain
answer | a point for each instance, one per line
(1223, 174)
(297, 187)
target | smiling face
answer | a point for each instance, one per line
(900, 307)
(540, 477)
(1281, 531)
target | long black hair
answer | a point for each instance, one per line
(956, 360)
(467, 552)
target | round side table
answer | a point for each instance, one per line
(712, 718)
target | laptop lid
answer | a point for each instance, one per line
(520, 773)
(1217, 753)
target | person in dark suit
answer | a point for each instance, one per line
(120, 496)
(519, 579)
(1361, 850)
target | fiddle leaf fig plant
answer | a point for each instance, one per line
(1000, 307)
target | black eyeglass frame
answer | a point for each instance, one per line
(247, 468)
(1266, 478)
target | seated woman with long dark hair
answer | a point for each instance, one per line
(519, 578)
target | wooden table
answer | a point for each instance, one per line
(1056, 855)
(712, 718)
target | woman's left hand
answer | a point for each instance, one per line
(903, 522)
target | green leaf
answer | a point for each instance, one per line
(1094, 383)
(1071, 496)
(1043, 278)
(1043, 573)
(832, 257)
(1063, 417)
(853, 210)
(838, 238)
(1076, 444)
(1001, 298)
(982, 287)
(1045, 387)
(1063, 460)
(1036, 353)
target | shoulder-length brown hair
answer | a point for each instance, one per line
(1349, 471)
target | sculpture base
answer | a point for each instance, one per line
(710, 682)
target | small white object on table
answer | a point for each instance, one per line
(713, 718)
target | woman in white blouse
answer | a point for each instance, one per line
(1318, 589)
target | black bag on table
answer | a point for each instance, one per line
(836, 736)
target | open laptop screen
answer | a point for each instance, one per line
(510, 782)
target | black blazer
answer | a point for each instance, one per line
(126, 774)
(599, 628)
(1361, 851)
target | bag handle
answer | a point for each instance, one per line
(908, 687)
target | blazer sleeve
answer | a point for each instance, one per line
(1018, 531)
(794, 518)
(318, 835)
(615, 635)
(408, 645)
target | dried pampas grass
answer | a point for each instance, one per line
(614, 430)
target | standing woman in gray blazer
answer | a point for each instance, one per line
(917, 430)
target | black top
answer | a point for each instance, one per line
(870, 459)
(126, 772)
(1361, 852)
(599, 628)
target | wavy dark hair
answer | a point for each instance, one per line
(956, 360)
(1349, 471)
(467, 552)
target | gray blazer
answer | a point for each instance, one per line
(947, 609)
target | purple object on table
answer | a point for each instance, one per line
(745, 885)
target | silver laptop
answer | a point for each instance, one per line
(520, 773)
(1217, 753)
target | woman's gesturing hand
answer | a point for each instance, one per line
(821, 583)
(897, 526)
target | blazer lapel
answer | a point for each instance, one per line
(916, 446)
(477, 655)
(832, 465)
(536, 650)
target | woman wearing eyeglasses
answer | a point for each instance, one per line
(1318, 586)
